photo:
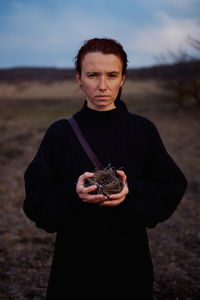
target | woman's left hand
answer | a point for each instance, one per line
(116, 199)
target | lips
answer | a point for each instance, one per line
(102, 96)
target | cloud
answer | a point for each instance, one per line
(30, 28)
(168, 34)
(182, 3)
(53, 37)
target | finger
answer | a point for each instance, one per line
(85, 176)
(86, 190)
(116, 196)
(93, 198)
(81, 181)
(82, 191)
(122, 175)
(112, 202)
(123, 193)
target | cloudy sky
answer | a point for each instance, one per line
(50, 32)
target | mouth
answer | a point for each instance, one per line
(102, 96)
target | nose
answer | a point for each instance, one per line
(102, 84)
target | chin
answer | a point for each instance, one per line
(105, 106)
(102, 104)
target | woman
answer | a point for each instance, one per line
(102, 247)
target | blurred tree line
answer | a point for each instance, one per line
(183, 84)
(177, 72)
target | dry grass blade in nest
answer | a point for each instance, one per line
(107, 181)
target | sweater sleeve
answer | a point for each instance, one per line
(47, 201)
(155, 198)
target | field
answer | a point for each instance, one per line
(26, 110)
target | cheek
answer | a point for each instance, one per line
(117, 87)
(88, 88)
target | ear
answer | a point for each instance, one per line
(78, 78)
(123, 79)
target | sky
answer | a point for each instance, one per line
(49, 33)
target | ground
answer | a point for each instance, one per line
(26, 110)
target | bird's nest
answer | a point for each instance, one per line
(107, 181)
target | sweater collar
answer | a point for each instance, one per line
(103, 115)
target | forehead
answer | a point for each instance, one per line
(98, 61)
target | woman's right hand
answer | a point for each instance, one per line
(83, 192)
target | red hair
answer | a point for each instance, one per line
(104, 45)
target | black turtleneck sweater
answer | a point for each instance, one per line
(124, 140)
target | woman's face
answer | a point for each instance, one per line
(101, 78)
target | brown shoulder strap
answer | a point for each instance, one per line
(85, 144)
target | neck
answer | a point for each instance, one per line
(101, 108)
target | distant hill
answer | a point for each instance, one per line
(168, 71)
(34, 73)
(58, 74)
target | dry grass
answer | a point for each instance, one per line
(65, 89)
(26, 251)
(107, 182)
(39, 90)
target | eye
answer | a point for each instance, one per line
(91, 75)
(112, 75)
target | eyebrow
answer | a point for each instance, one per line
(111, 72)
(114, 72)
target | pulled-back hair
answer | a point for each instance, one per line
(104, 45)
